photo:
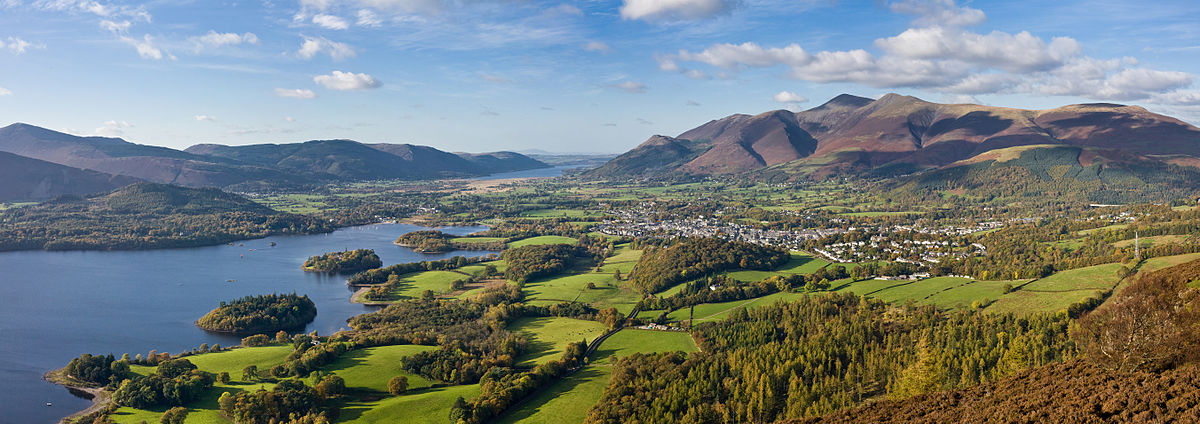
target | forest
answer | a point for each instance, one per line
(343, 262)
(266, 313)
(823, 353)
(147, 216)
(692, 258)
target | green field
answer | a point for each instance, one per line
(572, 286)
(919, 290)
(1155, 264)
(568, 400)
(542, 240)
(205, 410)
(549, 336)
(1092, 277)
(430, 406)
(371, 368)
(962, 297)
(800, 263)
(718, 311)
(412, 285)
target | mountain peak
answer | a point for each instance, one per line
(843, 101)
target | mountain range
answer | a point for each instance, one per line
(898, 135)
(44, 163)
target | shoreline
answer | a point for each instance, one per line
(101, 399)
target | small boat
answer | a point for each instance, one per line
(49, 404)
(230, 281)
(272, 244)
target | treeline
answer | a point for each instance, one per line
(429, 241)
(347, 261)
(290, 401)
(380, 276)
(147, 216)
(1139, 348)
(721, 288)
(692, 258)
(529, 262)
(260, 314)
(175, 382)
(98, 369)
(500, 388)
(823, 353)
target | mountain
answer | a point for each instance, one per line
(897, 134)
(351, 160)
(28, 179)
(496, 162)
(254, 167)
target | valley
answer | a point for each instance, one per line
(742, 291)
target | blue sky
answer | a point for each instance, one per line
(568, 76)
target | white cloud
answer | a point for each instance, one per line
(5, 92)
(339, 80)
(630, 87)
(289, 119)
(596, 46)
(674, 9)
(960, 99)
(789, 97)
(330, 22)
(953, 61)
(113, 128)
(95, 8)
(368, 18)
(564, 9)
(295, 93)
(1020, 52)
(1178, 98)
(116, 27)
(312, 46)
(205, 118)
(17, 45)
(215, 39)
(938, 12)
(146, 48)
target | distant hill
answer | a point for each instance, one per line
(253, 167)
(897, 135)
(147, 216)
(28, 179)
(119, 157)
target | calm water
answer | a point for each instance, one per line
(57, 305)
(555, 171)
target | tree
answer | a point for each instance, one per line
(250, 373)
(282, 337)
(175, 415)
(331, 386)
(223, 377)
(458, 411)
(397, 385)
(919, 377)
(226, 402)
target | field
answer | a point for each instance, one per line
(1153, 240)
(205, 410)
(430, 406)
(1092, 277)
(572, 285)
(549, 336)
(560, 213)
(568, 400)
(412, 285)
(542, 240)
(1155, 264)
(476, 239)
(801, 263)
(371, 368)
(1058, 291)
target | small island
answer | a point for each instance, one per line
(434, 241)
(260, 314)
(345, 262)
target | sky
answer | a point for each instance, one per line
(563, 76)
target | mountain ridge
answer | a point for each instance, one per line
(899, 134)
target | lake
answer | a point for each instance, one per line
(58, 305)
(554, 171)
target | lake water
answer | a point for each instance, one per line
(57, 305)
(554, 171)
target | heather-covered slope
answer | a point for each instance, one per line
(901, 134)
